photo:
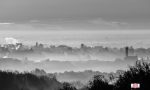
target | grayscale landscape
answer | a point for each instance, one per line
(74, 44)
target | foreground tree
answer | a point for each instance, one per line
(99, 83)
(140, 73)
(67, 86)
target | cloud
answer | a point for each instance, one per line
(105, 24)
(11, 40)
(16, 26)
(34, 21)
(6, 23)
(73, 24)
(29, 25)
(22, 10)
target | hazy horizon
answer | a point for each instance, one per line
(118, 38)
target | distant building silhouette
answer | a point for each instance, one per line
(19, 44)
(37, 44)
(129, 57)
(127, 51)
(82, 45)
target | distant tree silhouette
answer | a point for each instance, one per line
(99, 83)
(140, 73)
(67, 86)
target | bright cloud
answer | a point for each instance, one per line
(10, 40)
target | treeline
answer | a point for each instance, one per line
(84, 76)
(139, 73)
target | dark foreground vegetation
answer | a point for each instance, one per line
(139, 73)
(27, 81)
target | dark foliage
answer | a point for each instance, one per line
(67, 86)
(99, 83)
(26, 81)
(140, 73)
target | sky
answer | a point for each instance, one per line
(115, 12)
(75, 20)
